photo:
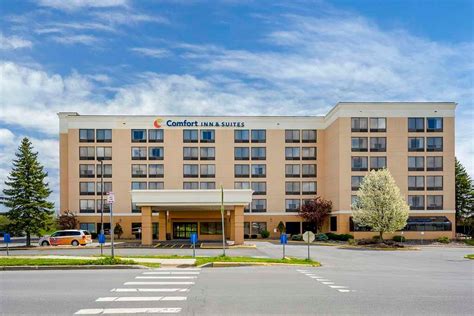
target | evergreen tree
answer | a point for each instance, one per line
(464, 198)
(27, 193)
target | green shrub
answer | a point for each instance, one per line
(352, 242)
(443, 240)
(376, 238)
(332, 236)
(399, 238)
(345, 237)
(469, 242)
(321, 237)
(298, 237)
(265, 233)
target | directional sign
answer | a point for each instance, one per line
(110, 198)
(283, 239)
(6, 238)
(101, 238)
(308, 236)
(194, 238)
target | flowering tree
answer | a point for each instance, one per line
(316, 211)
(379, 204)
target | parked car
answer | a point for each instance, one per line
(74, 237)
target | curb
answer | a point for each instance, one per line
(71, 267)
(210, 246)
(247, 264)
(378, 249)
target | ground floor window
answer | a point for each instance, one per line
(333, 223)
(137, 230)
(106, 228)
(211, 228)
(258, 227)
(293, 228)
(155, 230)
(184, 230)
(425, 223)
(309, 227)
(88, 226)
(357, 228)
(246, 229)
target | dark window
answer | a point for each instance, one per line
(434, 163)
(207, 185)
(292, 171)
(293, 228)
(434, 183)
(190, 171)
(416, 183)
(138, 135)
(86, 135)
(207, 136)
(308, 153)
(259, 171)
(309, 171)
(259, 188)
(86, 171)
(308, 187)
(104, 135)
(156, 171)
(434, 144)
(190, 153)
(138, 153)
(333, 224)
(87, 188)
(241, 153)
(259, 205)
(309, 136)
(416, 163)
(434, 202)
(155, 153)
(292, 188)
(359, 163)
(107, 170)
(259, 153)
(136, 209)
(194, 185)
(242, 185)
(359, 124)
(190, 136)
(241, 136)
(87, 153)
(105, 205)
(86, 206)
(104, 153)
(211, 228)
(292, 205)
(358, 228)
(378, 144)
(416, 124)
(355, 182)
(138, 171)
(359, 144)
(424, 223)
(208, 153)
(107, 187)
(155, 135)
(259, 136)
(416, 202)
(138, 185)
(242, 171)
(156, 185)
(377, 163)
(292, 136)
(378, 124)
(416, 144)
(207, 171)
(292, 153)
(434, 124)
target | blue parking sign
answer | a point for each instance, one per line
(6, 237)
(194, 238)
(283, 239)
(101, 238)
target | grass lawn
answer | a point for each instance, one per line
(471, 256)
(4, 261)
(204, 260)
(470, 242)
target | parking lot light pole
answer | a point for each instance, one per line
(101, 160)
(222, 218)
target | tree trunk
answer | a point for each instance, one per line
(381, 236)
(28, 239)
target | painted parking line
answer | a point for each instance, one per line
(166, 277)
(158, 283)
(104, 311)
(148, 290)
(141, 298)
(338, 286)
(173, 272)
(343, 290)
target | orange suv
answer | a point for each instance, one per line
(73, 237)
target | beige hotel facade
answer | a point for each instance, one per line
(166, 171)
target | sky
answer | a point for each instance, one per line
(228, 57)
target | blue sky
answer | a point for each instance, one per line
(225, 57)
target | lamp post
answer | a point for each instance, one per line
(222, 218)
(101, 160)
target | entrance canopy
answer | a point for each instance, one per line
(189, 200)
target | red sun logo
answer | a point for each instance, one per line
(157, 123)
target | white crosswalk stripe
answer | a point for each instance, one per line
(141, 298)
(148, 290)
(340, 288)
(174, 272)
(147, 310)
(166, 277)
(159, 283)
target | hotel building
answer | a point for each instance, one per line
(166, 171)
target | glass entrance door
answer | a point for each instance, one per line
(184, 230)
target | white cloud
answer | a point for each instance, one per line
(13, 42)
(151, 52)
(72, 5)
(128, 17)
(73, 39)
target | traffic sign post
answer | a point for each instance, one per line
(194, 239)
(283, 241)
(308, 236)
(110, 201)
(7, 240)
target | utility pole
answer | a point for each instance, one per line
(222, 218)
(101, 160)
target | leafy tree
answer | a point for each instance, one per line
(4, 222)
(464, 198)
(316, 211)
(281, 227)
(27, 193)
(68, 220)
(118, 230)
(379, 204)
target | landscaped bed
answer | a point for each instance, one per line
(471, 256)
(5, 261)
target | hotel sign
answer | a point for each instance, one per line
(159, 123)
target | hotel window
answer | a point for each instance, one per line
(107, 171)
(155, 135)
(208, 171)
(86, 153)
(308, 135)
(138, 135)
(356, 182)
(432, 223)
(434, 202)
(90, 227)
(138, 153)
(190, 136)
(292, 136)
(138, 171)
(377, 163)
(207, 185)
(155, 153)
(104, 153)
(190, 153)
(359, 144)
(190, 171)
(353, 201)
(416, 183)
(378, 144)
(156, 185)
(86, 135)
(86, 206)
(207, 136)
(359, 124)
(86, 171)
(241, 136)
(241, 185)
(210, 228)
(156, 171)
(103, 135)
(246, 229)
(259, 188)
(434, 163)
(333, 223)
(359, 163)
(292, 188)
(86, 188)
(208, 153)
(416, 144)
(309, 171)
(138, 185)
(434, 144)
(259, 205)
(259, 171)
(378, 124)
(416, 202)
(292, 153)
(241, 171)
(190, 185)
(292, 171)
(416, 164)
(308, 187)
(136, 209)
(416, 124)
(434, 183)
(434, 124)
(107, 187)
(259, 153)
(259, 136)
(292, 205)
(241, 153)
(258, 227)
(105, 205)
(308, 153)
